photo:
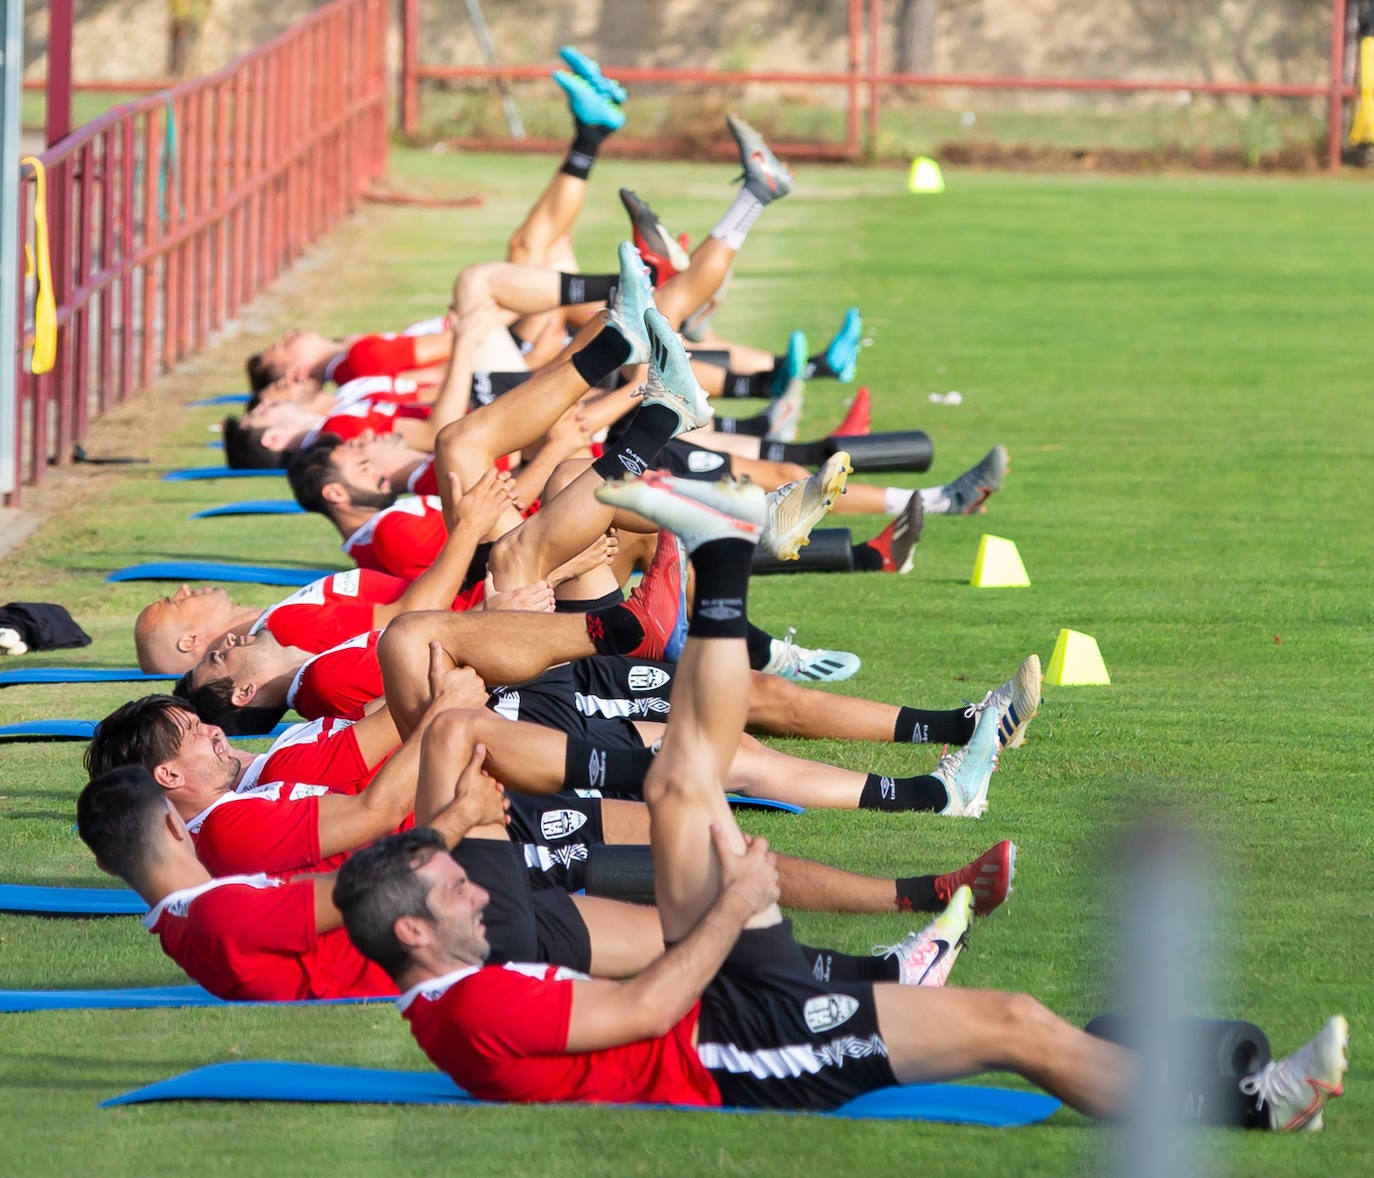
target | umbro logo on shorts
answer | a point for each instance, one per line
(646, 678)
(828, 1011)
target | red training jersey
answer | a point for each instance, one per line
(272, 827)
(341, 681)
(402, 539)
(501, 1032)
(386, 354)
(330, 610)
(251, 938)
(323, 752)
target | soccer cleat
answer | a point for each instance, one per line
(803, 664)
(1295, 1089)
(588, 70)
(966, 772)
(764, 174)
(989, 876)
(896, 543)
(842, 353)
(633, 297)
(926, 958)
(657, 600)
(784, 413)
(677, 640)
(664, 256)
(695, 511)
(858, 418)
(587, 105)
(795, 508)
(671, 382)
(968, 493)
(793, 364)
(1016, 701)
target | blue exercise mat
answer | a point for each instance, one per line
(743, 803)
(79, 675)
(321, 1083)
(192, 473)
(142, 998)
(44, 900)
(253, 507)
(209, 570)
(80, 730)
(224, 399)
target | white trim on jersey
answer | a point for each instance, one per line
(179, 902)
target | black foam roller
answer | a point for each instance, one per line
(908, 450)
(831, 551)
(621, 873)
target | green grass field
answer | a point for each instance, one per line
(1178, 368)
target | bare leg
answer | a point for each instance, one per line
(778, 707)
(548, 221)
(523, 290)
(943, 1034)
(685, 292)
(625, 937)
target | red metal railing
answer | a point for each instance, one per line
(169, 213)
(863, 86)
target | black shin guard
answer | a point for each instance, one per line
(585, 288)
(621, 873)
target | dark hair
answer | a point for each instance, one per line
(114, 815)
(243, 448)
(377, 885)
(213, 702)
(311, 469)
(260, 372)
(141, 732)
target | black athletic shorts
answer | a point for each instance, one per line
(689, 461)
(772, 1036)
(596, 698)
(523, 923)
(554, 833)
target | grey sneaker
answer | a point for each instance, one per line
(970, 491)
(671, 382)
(633, 297)
(764, 174)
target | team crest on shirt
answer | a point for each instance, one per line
(827, 1011)
(646, 678)
(558, 824)
(700, 461)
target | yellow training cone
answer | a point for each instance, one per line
(925, 176)
(1076, 661)
(998, 565)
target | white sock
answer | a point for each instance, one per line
(934, 501)
(895, 500)
(738, 220)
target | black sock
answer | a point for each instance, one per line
(819, 366)
(581, 155)
(805, 453)
(606, 351)
(614, 630)
(945, 727)
(477, 567)
(587, 605)
(721, 591)
(830, 965)
(752, 427)
(867, 559)
(636, 450)
(760, 644)
(748, 384)
(616, 770)
(916, 893)
(586, 288)
(903, 793)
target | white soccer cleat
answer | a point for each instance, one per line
(967, 772)
(784, 412)
(802, 664)
(694, 511)
(926, 958)
(1016, 702)
(795, 508)
(1294, 1090)
(671, 382)
(634, 295)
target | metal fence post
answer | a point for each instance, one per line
(11, 271)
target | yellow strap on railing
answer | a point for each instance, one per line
(44, 307)
(1362, 125)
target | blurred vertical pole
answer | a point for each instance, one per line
(1335, 84)
(851, 126)
(11, 269)
(875, 67)
(58, 125)
(59, 90)
(410, 50)
(1162, 984)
